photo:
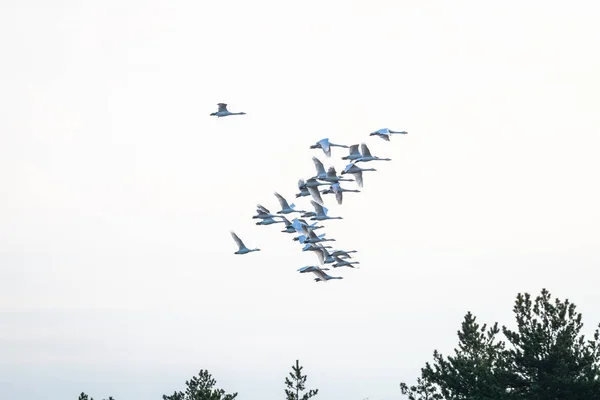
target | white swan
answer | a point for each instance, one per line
(320, 168)
(366, 155)
(342, 253)
(269, 221)
(320, 272)
(242, 248)
(263, 213)
(338, 190)
(300, 225)
(353, 153)
(223, 112)
(321, 212)
(303, 190)
(312, 185)
(357, 171)
(289, 228)
(326, 145)
(343, 263)
(285, 207)
(386, 133)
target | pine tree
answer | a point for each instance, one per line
(201, 388)
(297, 384)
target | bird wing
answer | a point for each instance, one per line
(263, 209)
(287, 221)
(317, 206)
(316, 195)
(331, 172)
(354, 150)
(237, 240)
(339, 197)
(365, 150)
(359, 178)
(319, 166)
(222, 106)
(325, 146)
(320, 255)
(301, 184)
(282, 201)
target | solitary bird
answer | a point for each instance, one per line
(242, 248)
(366, 155)
(223, 112)
(326, 145)
(386, 133)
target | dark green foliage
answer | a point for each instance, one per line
(84, 396)
(296, 383)
(201, 388)
(546, 358)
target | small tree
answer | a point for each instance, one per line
(201, 388)
(296, 384)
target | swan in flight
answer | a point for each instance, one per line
(366, 155)
(342, 253)
(303, 190)
(353, 153)
(321, 212)
(312, 186)
(319, 272)
(242, 248)
(326, 145)
(323, 255)
(289, 227)
(357, 171)
(223, 112)
(269, 221)
(263, 213)
(314, 247)
(300, 225)
(338, 190)
(386, 133)
(313, 238)
(285, 207)
(343, 263)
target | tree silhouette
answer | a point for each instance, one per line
(545, 358)
(201, 388)
(84, 396)
(296, 383)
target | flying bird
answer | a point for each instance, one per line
(320, 272)
(357, 171)
(269, 221)
(386, 133)
(321, 212)
(285, 207)
(353, 153)
(338, 190)
(223, 112)
(242, 248)
(343, 263)
(366, 155)
(326, 146)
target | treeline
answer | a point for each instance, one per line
(545, 357)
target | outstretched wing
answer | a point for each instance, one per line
(282, 201)
(301, 184)
(318, 208)
(316, 195)
(238, 241)
(365, 150)
(325, 146)
(263, 209)
(359, 178)
(222, 107)
(354, 150)
(331, 172)
(319, 166)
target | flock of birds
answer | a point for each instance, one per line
(310, 188)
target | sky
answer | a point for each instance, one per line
(117, 272)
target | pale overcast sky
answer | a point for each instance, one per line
(117, 272)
